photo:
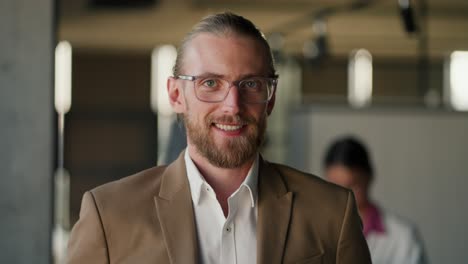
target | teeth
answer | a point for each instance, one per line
(228, 127)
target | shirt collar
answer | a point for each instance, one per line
(197, 181)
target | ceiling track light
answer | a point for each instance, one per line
(407, 15)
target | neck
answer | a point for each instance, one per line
(224, 181)
(221, 179)
(363, 209)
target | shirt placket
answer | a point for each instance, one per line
(228, 238)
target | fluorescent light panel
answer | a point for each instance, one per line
(360, 78)
(162, 61)
(63, 77)
(458, 90)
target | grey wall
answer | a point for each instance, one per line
(421, 161)
(26, 130)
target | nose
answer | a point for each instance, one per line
(231, 103)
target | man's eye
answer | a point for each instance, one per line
(251, 84)
(210, 83)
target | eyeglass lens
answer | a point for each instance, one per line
(251, 90)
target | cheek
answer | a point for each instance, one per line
(196, 109)
(257, 111)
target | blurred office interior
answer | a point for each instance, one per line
(392, 72)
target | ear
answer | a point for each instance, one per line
(271, 104)
(175, 95)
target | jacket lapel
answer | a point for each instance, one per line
(274, 212)
(175, 211)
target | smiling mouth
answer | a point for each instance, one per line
(228, 127)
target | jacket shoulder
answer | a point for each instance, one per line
(114, 212)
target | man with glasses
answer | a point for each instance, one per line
(220, 201)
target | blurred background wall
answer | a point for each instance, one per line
(116, 127)
(26, 130)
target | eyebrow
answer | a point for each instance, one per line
(222, 76)
(211, 74)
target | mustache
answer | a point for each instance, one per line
(238, 119)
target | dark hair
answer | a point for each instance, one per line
(223, 24)
(349, 152)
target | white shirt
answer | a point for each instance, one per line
(230, 240)
(399, 244)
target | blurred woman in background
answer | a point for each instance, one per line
(391, 239)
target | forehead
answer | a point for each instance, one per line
(227, 55)
(341, 174)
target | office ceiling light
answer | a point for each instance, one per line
(360, 78)
(162, 61)
(456, 90)
(63, 77)
(407, 15)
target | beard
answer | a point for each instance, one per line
(233, 151)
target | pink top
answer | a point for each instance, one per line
(373, 221)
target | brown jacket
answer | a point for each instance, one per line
(148, 218)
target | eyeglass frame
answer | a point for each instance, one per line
(193, 78)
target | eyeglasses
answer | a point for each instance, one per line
(213, 89)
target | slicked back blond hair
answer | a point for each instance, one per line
(224, 24)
